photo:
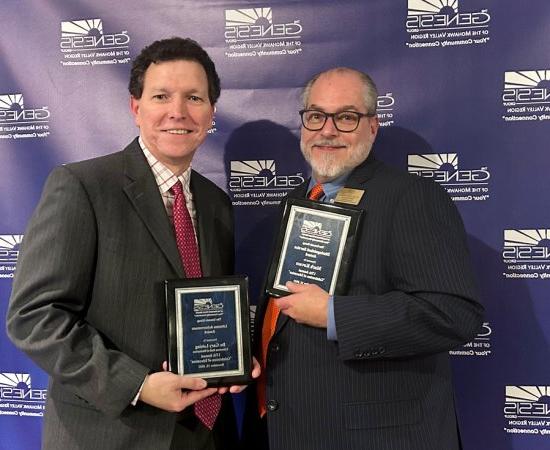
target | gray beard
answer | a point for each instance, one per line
(330, 166)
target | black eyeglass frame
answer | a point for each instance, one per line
(332, 115)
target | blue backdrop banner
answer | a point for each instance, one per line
(464, 99)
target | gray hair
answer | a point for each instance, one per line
(370, 95)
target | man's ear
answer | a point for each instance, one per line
(134, 107)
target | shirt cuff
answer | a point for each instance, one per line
(136, 398)
(331, 322)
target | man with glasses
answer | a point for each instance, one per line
(368, 369)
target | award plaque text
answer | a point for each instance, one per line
(315, 245)
(208, 329)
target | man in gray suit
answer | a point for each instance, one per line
(83, 304)
(369, 369)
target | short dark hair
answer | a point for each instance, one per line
(173, 49)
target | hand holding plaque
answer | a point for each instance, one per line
(315, 245)
(208, 329)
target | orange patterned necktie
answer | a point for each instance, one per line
(206, 410)
(270, 323)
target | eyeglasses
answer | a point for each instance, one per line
(344, 121)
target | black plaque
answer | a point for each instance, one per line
(316, 245)
(208, 329)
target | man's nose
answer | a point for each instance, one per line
(329, 128)
(178, 108)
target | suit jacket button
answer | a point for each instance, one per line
(358, 354)
(274, 346)
(272, 405)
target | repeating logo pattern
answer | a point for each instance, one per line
(252, 32)
(439, 23)
(257, 183)
(526, 95)
(526, 253)
(17, 396)
(19, 122)
(9, 252)
(83, 42)
(527, 410)
(461, 184)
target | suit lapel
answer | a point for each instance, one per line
(205, 222)
(142, 191)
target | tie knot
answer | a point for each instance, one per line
(316, 192)
(177, 188)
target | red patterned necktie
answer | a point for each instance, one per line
(206, 410)
(270, 323)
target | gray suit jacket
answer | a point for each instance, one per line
(386, 383)
(83, 304)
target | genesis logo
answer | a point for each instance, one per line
(9, 252)
(527, 245)
(18, 398)
(87, 34)
(9, 248)
(205, 305)
(256, 24)
(260, 175)
(314, 230)
(527, 87)
(13, 112)
(432, 15)
(527, 402)
(443, 168)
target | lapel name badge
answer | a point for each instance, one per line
(349, 196)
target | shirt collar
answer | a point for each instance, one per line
(330, 188)
(164, 177)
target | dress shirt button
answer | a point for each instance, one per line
(274, 346)
(272, 405)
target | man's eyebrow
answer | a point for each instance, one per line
(343, 108)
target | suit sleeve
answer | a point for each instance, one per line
(52, 287)
(431, 304)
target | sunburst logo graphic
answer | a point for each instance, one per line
(9, 244)
(527, 238)
(526, 79)
(15, 380)
(437, 161)
(527, 402)
(421, 7)
(262, 168)
(89, 34)
(12, 102)
(528, 394)
(84, 27)
(250, 25)
(253, 16)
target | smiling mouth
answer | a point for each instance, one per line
(328, 146)
(178, 131)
